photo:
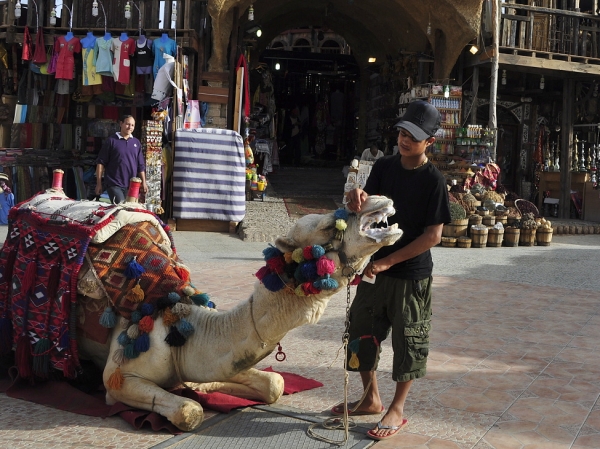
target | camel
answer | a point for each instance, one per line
(220, 353)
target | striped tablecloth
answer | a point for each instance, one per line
(209, 175)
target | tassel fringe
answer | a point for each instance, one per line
(134, 270)
(108, 319)
(5, 336)
(116, 379)
(136, 294)
(23, 357)
(41, 357)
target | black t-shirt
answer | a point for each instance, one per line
(420, 199)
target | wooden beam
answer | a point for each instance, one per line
(550, 64)
(566, 148)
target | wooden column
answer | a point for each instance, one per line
(566, 148)
(493, 121)
(475, 89)
(233, 55)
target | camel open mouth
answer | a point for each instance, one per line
(369, 224)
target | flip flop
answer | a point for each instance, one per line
(380, 426)
(338, 410)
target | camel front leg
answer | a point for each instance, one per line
(184, 413)
(250, 384)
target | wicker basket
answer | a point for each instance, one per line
(524, 206)
(489, 220)
(456, 228)
(449, 242)
(527, 237)
(495, 237)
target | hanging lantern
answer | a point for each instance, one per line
(53, 17)
(446, 91)
(542, 82)
(504, 77)
(251, 13)
(18, 10)
(128, 11)
(95, 9)
(174, 12)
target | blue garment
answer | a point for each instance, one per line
(122, 159)
(7, 200)
(162, 45)
(105, 57)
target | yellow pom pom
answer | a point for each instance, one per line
(288, 257)
(116, 379)
(297, 255)
(136, 294)
(354, 363)
(341, 225)
(299, 291)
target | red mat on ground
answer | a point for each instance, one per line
(63, 396)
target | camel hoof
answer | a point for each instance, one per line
(189, 416)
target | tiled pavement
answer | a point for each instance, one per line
(513, 364)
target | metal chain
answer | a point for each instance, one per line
(346, 422)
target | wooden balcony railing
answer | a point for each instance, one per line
(549, 30)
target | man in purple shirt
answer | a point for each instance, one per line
(121, 158)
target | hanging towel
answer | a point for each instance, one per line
(39, 55)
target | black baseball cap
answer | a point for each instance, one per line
(421, 119)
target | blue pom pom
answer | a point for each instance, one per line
(147, 309)
(134, 270)
(318, 251)
(184, 327)
(309, 270)
(273, 282)
(136, 316)
(174, 297)
(299, 274)
(271, 252)
(341, 214)
(108, 318)
(200, 299)
(142, 343)
(326, 283)
(123, 339)
(129, 351)
(211, 304)
(354, 345)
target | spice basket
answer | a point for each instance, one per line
(495, 237)
(543, 236)
(479, 237)
(463, 242)
(525, 206)
(511, 236)
(527, 237)
(502, 219)
(449, 242)
(456, 228)
(489, 220)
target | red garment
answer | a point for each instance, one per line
(66, 59)
(122, 52)
(39, 55)
(27, 46)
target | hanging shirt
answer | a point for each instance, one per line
(162, 45)
(104, 57)
(122, 52)
(90, 76)
(144, 57)
(66, 50)
(7, 200)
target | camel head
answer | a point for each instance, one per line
(361, 238)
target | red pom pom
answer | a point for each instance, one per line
(309, 289)
(146, 324)
(260, 274)
(356, 280)
(183, 274)
(276, 264)
(307, 253)
(325, 266)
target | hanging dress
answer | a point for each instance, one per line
(66, 56)
(104, 57)
(122, 52)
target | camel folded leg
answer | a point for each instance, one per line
(250, 384)
(184, 413)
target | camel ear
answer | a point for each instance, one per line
(286, 244)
